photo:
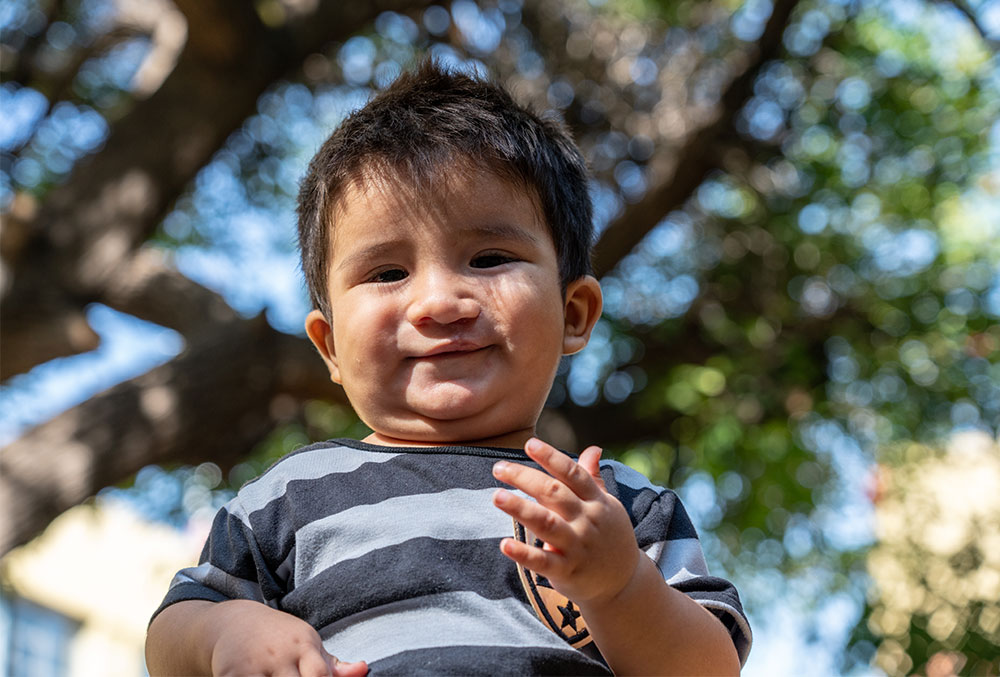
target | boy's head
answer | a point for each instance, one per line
(422, 127)
(445, 237)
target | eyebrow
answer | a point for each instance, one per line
(502, 231)
(374, 251)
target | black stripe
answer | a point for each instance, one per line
(418, 567)
(655, 516)
(461, 450)
(373, 483)
(233, 550)
(710, 587)
(421, 566)
(487, 661)
(664, 518)
(185, 591)
(307, 500)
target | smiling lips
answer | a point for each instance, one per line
(450, 349)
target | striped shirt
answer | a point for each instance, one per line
(392, 555)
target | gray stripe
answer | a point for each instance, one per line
(454, 514)
(674, 557)
(217, 579)
(448, 619)
(306, 465)
(630, 477)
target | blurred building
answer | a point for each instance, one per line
(75, 601)
(936, 564)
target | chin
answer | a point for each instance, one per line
(431, 430)
(453, 403)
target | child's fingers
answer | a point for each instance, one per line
(544, 523)
(342, 669)
(590, 459)
(563, 468)
(547, 490)
(540, 561)
(313, 663)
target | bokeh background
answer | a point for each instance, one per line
(798, 209)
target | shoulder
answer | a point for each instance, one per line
(316, 462)
(628, 477)
(655, 511)
(633, 488)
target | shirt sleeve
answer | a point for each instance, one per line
(231, 566)
(665, 533)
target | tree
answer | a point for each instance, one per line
(798, 241)
(84, 244)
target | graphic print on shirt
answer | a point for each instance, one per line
(553, 608)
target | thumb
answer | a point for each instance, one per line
(343, 669)
(590, 459)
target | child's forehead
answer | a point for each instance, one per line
(466, 196)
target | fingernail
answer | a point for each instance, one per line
(501, 496)
(499, 468)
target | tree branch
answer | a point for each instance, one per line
(211, 402)
(696, 157)
(147, 287)
(24, 67)
(962, 6)
(114, 200)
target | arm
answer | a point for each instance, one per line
(651, 628)
(238, 637)
(640, 624)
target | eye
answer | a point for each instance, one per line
(490, 260)
(389, 275)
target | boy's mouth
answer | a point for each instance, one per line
(451, 348)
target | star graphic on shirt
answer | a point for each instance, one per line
(569, 615)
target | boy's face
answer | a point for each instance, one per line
(447, 318)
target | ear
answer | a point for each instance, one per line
(321, 334)
(582, 309)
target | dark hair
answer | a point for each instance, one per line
(427, 120)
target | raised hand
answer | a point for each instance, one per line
(590, 552)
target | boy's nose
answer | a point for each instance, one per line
(441, 299)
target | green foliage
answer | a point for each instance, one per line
(848, 300)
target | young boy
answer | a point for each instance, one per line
(445, 235)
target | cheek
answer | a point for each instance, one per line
(533, 316)
(360, 333)
(365, 313)
(530, 292)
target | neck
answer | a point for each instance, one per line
(512, 440)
